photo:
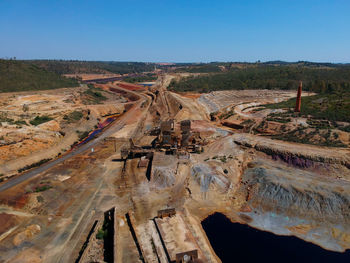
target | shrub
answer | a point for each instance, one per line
(42, 188)
(82, 135)
(40, 119)
(101, 234)
(94, 96)
(20, 122)
(27, 167)
(73, 116)
(223, 159)
(4, 118)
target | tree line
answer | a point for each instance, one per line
(20, 76)
(283, 77)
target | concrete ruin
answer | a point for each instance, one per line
(187, 257)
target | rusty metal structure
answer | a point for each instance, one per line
(166, 212)
(167, 126)
(166, 136)
(298, 100)
(181, 143)
(175, 140)
(185, 126)
(185, 132)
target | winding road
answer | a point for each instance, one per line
(114, 127)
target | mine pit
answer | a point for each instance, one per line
(234, 242)
(165, 161)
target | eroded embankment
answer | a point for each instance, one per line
(225, 235)
(130, 96)
(299, 155)
(298, 194)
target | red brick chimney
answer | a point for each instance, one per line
(298, 101)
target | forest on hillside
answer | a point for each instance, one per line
(264, 76)
(92, 67)
(20, 76)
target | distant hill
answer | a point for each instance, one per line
(216, 67)
(24, 76)
(92, 67)
(316, 77)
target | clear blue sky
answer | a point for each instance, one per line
(176, 30)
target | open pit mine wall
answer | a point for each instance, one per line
(130, 96)
(173, 104)
(293, 158)
(266, 192)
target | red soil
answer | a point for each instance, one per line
(130, 86)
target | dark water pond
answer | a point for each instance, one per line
(233, 242)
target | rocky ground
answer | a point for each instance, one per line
(287, 188)
(41, 125)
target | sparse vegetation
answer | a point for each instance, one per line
(227, 115)
(101, 234)
(40, 119)
(280, 120)
(93, 96)
(4, 118)
(27, 167)
(82, 135)
(73, 116)
(305, 136)
(223, 159)
(144, 78)
(200, 68)
(20, 122)
(42, 188)
(333, 106)
(322, 124)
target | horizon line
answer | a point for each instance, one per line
(158, 62)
